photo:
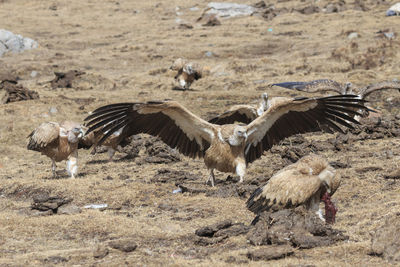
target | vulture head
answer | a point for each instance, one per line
(75, 134)
(239, 135)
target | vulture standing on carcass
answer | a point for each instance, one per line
(228, 147)
(58, 142)
(325, 85)
(114, 143)
(187, 72)
(307, 182)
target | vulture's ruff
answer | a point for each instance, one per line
(58, 142)
(229, 147)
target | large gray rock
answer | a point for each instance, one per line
(15, 42)
(228, 10)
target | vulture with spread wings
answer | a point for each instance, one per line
(307, 182)
(228, 147)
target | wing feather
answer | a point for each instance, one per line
(239, 113)
(379, 86)
(303, 115)
(46, 134)
(173, 123)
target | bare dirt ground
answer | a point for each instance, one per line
(125, 48)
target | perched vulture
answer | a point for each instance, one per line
(58, 142)
(228, 147)
(330, 85)
(307, 182)
(114, 143)
(187, 72)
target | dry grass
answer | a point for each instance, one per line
(130, 44)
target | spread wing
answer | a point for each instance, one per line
(173, 123)
(322, 85)
(286, 189)
(300, 115)
(239, 113)
(379, 86)
(47, 133)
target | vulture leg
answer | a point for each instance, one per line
(111, 153)
(313, 204)
(72, 166)
(53, 168)
(211, 178)
(241, 171)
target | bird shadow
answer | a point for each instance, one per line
(177, 88)
(62, 174)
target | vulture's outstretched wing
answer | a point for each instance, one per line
(46, 134)
(323, 85)
(379, 86)
(173, 123)
(239, 113)
(300, 115)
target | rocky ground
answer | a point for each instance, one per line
(93, 53)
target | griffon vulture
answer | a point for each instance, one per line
(228, 147)
(58, 142)
(187, 72)
(307, 182)
(247, 113)
(114, 143)
(242, 113)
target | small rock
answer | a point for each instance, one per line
(100, 252)
(96, 206)
(270, 253)
(69, 209)
(53, 110)
(352, 35)
(55, 259)
(123, 245)
(209, 54)
(209, 231)
(34, 74)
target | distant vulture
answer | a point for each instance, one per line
(228, 147)
(114, 143)
(58, 142)
(306, 182)
(325, 85)
(187, 72)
